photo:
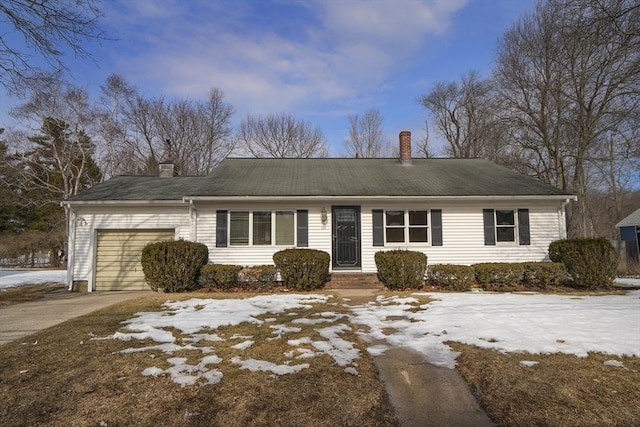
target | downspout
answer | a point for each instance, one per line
(71, 242)
(193, 216)
(562, 217)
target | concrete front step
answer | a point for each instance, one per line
(354, 281)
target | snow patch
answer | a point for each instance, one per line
(614, 363)
(243, 345)
(262, 365)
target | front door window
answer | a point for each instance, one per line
(346, 236)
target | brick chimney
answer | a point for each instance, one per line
(167, 169)
(405, 147)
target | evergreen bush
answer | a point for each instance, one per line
(262, 274)
(451, 277)
(302, 269)
(543, 274)
(219, 276)
(499, 276)
(592, 263)
(401, 269)
(173, 266)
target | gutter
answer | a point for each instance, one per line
(375, 198)
(123, 203)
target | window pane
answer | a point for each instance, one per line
(239, 228)
(395, 217)
(262, 228)
(418, 234)
(505, 234)
(284, 228)
(417, 217)
(505, 218)
(395, 235)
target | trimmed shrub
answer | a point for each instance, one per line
(401, 269)
(543, 274)
(173, 266)
(451, 277)
(591, 263)
(219, 276)
(263, 274)
(498, 276)
(302, 269)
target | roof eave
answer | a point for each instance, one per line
(561, 197)
(179, 202)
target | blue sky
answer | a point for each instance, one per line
(320, 60)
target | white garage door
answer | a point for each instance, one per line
(118, 257)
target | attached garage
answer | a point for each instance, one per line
(118, 266)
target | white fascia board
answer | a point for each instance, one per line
(560, 197)
(124, 203)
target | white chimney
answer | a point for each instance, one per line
(167, 169)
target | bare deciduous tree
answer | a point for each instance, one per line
(465, 115)
(281, 136)
(570, 78)
(47, 28)
(138, 132)
(366, 135)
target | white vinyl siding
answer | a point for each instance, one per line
(284, 214)
(89, 220)
(463, 233)
(462, 230)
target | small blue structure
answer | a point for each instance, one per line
(630, 231)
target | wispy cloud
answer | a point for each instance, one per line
(279, 55)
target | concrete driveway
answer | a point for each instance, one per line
(20, 320)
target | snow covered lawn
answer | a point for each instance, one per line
(13, 278)
(505, 322)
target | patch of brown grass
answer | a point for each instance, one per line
(20, 294)
(67, 379)
(562, 390)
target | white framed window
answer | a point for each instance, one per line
(239, 228)
(505, 225)
(285, 228)
(262, 228)
(406, 226)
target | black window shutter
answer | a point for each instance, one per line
(489, 227)
(378, 227)
(221, 229)
(436, 227)
(523, 227)
(303, 228)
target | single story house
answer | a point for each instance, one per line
(630, 234)
(459, 211)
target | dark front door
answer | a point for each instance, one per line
(346, 236)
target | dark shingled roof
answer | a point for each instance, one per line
(137, 188)
(368, 177)
(329, 177)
